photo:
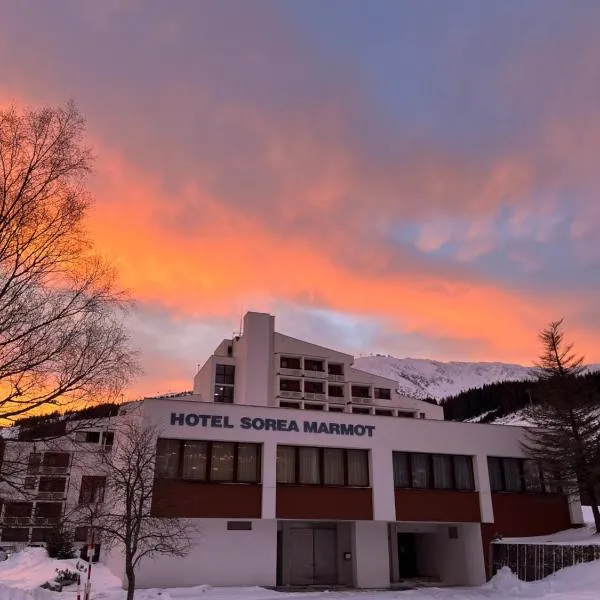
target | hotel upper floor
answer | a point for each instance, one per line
(261, 367)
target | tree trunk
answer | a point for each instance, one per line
(130, 574)
(593, 496)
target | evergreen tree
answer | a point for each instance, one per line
(59, 544)
(565, 434)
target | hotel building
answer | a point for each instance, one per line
(298, 469)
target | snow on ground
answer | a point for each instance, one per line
(21, 574)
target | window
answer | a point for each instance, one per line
(361, 391)
(335, 391)
(55, 460)
(225, 374)
(361, 410)
(313, 365)
(519, 475)
(311, 406)
(335, 369)
(286, 404)
(13, 534)
(81, 534)
(87, 437)
(52, 484)
(200, 460)
(34, 462)
(336, 409)
(167, 458)
(382, 412)
(288, 362)
(406, 415)
(383, 394)
(289, 385)
(305, 465)
(314, 387)
(239, 525)
(108, 437)
(92, 489)
(433, 471)
(224, 394)
(29, 483)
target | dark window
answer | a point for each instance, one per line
(40, 534)
(313, 365)
(230, 350)
(311, 406)
(381, 412)
(224, 394)
(359, 410)
(335, 391)
(18, 510)
(29, 483)
(108, 437)
(225, 374)
(239, 525)
(52, 484)
(305, 465)
(519, 475)
(92, 489)
(201, 460)
(55, 460)
(406, 415)
(285, 404)
(87, 437)
(361, 391)
(314, 387)
(383, 394)
(34, 462)
(167, 459)
(433, 471)
(335, 369)
(336, 409)
(81, 534)
(13, 534)
(289, 385)
(287, 362)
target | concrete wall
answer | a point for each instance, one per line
(371, 555)
(218, 557)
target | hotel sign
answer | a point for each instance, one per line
(261, 424)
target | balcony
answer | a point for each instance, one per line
(13, 521)
(53, 470)
(361, 400)
(50, 495)
(313, 396)
(315, 374)
(290, 372)
(337, 378)
(288, 394)
(336, 400)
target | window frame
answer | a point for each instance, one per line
(321, 450)
(431, 484)
(224, 374)
(524, 488)
(208, 463)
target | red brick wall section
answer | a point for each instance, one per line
(524, 515)
(190, 499)
(314, 502)
(444, 506)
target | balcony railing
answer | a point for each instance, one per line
(332, 377)
(336, 399)
(50, 495)
(361, 400)
(288, 394)
(314, 396)
(292, 372)
(16, 521)
(53, 470)
(315, 374)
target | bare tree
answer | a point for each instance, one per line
(126, 517)
(62, 338)
(565, 437)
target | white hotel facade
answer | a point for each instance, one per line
(298, 469)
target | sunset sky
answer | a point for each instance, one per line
(415, 177)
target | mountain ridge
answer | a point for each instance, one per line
(423, 378)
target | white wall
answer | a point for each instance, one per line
(218, 557)
(371, 555)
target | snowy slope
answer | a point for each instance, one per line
(424, 378)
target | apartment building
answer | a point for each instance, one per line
(297, 469)
(44, 481)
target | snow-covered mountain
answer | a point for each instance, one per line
(424, 378)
